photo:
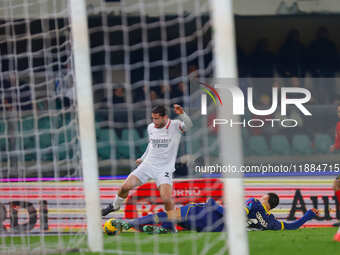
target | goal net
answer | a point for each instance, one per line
(42, 199)
(143, 53)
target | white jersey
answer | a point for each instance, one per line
(163, 145)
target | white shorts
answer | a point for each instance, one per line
(144, 172)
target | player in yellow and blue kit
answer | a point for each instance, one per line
(260, 217)
(209, 217)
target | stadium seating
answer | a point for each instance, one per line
(3, 142)
(45, 146)
(213, 145)
(64, 138)
(45, 140)
(193, 138)
(28, 125)
(44, 123)
(143, 142)
(123, 145)
(258, 146)
(46, 137)
(280, 145)
(301, 144)
(245, 139)
(26, 131)
(62, 152)
(3, 148)
(64, 119)
(108, 141)
(196, 144)
(322, 143)
(2, 127)
(29, 142)
(101, 117)
(106, 138)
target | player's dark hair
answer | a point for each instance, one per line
(273, 200)
(160, 109)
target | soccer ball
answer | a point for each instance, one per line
(110, 229)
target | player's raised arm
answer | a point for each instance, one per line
(187, 123)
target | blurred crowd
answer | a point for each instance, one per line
(295, 61)
(314, 66)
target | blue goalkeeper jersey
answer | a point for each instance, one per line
(261, 218)
(209, 217)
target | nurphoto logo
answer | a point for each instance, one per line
(293, 96)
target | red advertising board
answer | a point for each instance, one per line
(296, 196)
(146, 198)
(60, 206)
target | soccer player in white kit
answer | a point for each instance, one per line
(158, 161)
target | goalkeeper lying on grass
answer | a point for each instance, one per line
(208, 217)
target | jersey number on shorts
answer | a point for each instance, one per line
(167, 174)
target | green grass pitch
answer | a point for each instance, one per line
(304, 241)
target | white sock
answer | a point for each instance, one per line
(117, 202)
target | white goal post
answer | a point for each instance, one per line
(231, 151)
(77, 84)
(83, 78)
